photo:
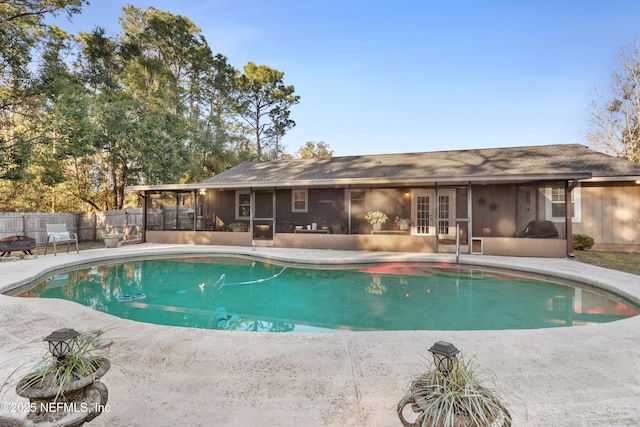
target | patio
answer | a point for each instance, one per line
(163, 375)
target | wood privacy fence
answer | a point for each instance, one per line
(90, 226)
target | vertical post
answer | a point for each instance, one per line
(436, 207)
(78, 222)
(126, 225)
(176, 225)
(94, 224)
(144, 216)
(470, 216)
(349, 209)
(252, 213)
(568, 220)
(273, 213)
(195, 210)
(457, 243)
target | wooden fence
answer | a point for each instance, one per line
(90, 226)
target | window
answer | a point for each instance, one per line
(555, 210)
(243, 204)
(299, 200)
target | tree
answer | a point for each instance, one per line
(22, 30)
(615, 117)
(172, 67)
(36, 133)
(214, 142)
(263, 102)
(312, 150)
(82, 117)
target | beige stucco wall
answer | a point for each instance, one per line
(357, 242)
(199, 237)
(505, 246)
(309, 241)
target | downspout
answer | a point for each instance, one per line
(568, 188)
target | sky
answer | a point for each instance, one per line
(393, 76)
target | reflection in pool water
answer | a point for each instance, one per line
(243, 294)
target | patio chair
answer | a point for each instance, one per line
(58, 233)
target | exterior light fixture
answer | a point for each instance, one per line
(61, 341)
(203, 191)
(444, 356)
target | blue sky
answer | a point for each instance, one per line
(388, 76)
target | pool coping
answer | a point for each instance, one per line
(552, 376)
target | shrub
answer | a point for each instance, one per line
(582, 242)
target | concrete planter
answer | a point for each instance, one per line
(111, 242)
(81, 401)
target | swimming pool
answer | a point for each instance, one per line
(240, 293)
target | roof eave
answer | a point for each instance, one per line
(635, 178)
(361, 182)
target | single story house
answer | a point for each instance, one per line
(525, 201)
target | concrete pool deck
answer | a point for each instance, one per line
(168, 376)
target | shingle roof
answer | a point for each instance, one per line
(564, 161)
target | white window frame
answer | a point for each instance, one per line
(238, 212)
(306, 200)
(576, 201)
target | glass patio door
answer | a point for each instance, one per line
(423, 212)
(424, 208)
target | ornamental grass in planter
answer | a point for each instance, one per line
(66, 390)
(455, 400)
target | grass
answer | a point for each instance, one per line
(622, 261)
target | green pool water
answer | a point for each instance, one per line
(237, 293)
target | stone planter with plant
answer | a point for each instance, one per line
(112, 240)
(403, 223)
(64, 388)
(451, 395)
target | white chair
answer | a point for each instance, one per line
(58, 233)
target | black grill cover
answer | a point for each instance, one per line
(543, 229)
